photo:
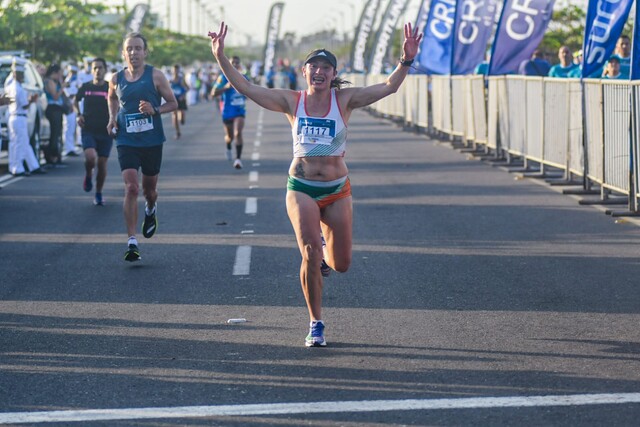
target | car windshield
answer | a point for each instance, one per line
(5, 70)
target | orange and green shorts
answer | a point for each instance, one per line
(324, 193)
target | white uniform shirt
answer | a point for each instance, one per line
(74, 84)
(18, 96)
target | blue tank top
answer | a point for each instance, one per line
(50, 99)
(134, 128)
(178, 88)
(233, 102)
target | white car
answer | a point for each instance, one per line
(39, 129)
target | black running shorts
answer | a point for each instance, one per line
(148, 159)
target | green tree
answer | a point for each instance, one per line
(60, 30)
(168, 48)
(567, 29)
(54, 30)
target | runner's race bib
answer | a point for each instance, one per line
(238, 101)
(316, 131)
(138, 122)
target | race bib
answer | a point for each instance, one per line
(138, 122)
(316, 131)
(238, 101)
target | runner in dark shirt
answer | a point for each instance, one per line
(93, 117)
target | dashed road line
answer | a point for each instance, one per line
(242, 264)
(251, 206)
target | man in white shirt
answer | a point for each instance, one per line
(20, 151)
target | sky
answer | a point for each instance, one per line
(247, 19)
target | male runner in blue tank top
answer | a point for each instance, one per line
(233, 112)
(135, 96)
(318, 190)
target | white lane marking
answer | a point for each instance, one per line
(242, 264)
(316, 408)
(256, 143)
(9, 179)
(251, 206)
(255, 156)
(253, 176)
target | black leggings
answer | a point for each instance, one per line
(54, 114)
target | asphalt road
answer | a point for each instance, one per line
(473, 299)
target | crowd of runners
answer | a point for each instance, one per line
(125, 106)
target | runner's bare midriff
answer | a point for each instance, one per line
(318, 168)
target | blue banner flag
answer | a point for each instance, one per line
(474, 24)
(435, 49)
(635, 51)
(420, 23)
(520, 29)
(604, 24)
(456, 35)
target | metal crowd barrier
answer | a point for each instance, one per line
(617, 114)
(636, 145)
(594, 128)
(535, 119)
(440, 100)
(410, 93)
(576, 143)
(423, 103)
(513, 103)
(586, 129)
(478, 109)
(458, 106)
(556, 123)
(492, 113)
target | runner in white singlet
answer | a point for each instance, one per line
(319, 197)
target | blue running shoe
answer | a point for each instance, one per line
(316, 335)
(98, 200)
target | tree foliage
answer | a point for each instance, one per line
(565, 29)
(53, 30)
(67, 30)
(168, 48)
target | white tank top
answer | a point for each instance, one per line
(319, 136)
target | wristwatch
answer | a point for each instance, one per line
(156, 110)
(406, 62)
